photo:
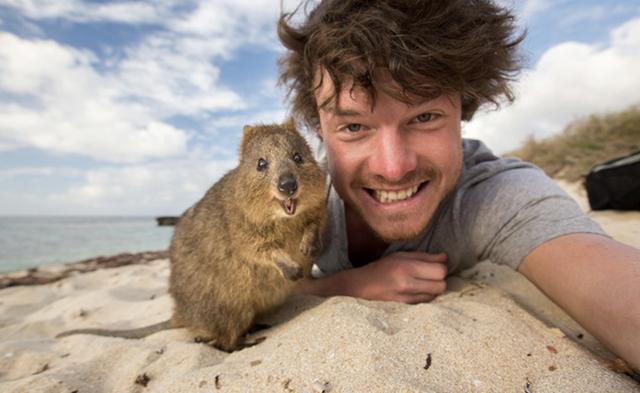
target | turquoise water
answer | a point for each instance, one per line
(27, 242)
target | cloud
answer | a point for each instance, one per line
(571, 80)
(626, 38)
(116, 108)
(236, 22)
(596, 13)
(248, 21)
(61, 104)
(239, 121)
(532, 7)
(81, 11)
(46, 171)
(175, 75)
(167, 187)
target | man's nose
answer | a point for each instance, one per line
(392, 154)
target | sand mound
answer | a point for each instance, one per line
(473, 338)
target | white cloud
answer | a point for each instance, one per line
(571, 80)
(7, 146)
(81, 11)
(240, 20)
(626, 38)
(175, 75)
(167, 187)
(60, 102)
(233, 22)
(239, 121)
(46, 171)
(70, 108)
(596, 13)
(532, 7)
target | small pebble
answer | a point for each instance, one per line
(143, 380)
(321, 387)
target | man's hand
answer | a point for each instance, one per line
(407, 277)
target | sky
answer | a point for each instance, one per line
(136, 107)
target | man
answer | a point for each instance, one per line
(386, 85)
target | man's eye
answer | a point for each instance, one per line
(424, 117)
(354, 127)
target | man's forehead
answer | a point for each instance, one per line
(338, 110)
(356, 101)
(351, 94)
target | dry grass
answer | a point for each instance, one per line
(584, 143)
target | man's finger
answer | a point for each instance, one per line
(422, 270)
(414, 286)
(423, 256)
(416, 298)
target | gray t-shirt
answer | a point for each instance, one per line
(501, 209)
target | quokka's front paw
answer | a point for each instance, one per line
(308, 249)
(311, 243)
(290, 272)
(289, 268)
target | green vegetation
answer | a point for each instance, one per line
(584, 143)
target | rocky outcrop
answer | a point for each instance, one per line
(167, 220)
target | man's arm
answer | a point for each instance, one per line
(407, 277)
(596, 280)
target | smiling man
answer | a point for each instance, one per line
(392, 162)
(385, 85)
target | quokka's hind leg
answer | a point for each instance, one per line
(225, 332)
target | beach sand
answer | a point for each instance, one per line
(492, 331)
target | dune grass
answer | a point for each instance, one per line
(584, 143)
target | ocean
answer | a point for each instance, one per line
(27, 242)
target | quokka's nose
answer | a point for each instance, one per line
(287, 184)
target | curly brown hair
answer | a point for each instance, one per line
(428, 47)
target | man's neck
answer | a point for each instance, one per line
(364, 245)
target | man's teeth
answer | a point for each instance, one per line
(394, 196)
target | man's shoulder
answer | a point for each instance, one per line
(480, 164)
(504, 207)
(494, 188)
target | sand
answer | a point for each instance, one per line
(491, 332)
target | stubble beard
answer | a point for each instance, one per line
(392, 228)
(398, 231)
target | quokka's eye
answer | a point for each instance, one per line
(298, 158)
(262, 165)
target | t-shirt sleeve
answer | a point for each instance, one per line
(506, 216)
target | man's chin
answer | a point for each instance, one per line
(393, 228)
(392, 232)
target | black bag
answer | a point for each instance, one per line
(615, 184)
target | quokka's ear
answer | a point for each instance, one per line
(289, 124)
(247, 133)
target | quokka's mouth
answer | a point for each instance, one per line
(289, 206)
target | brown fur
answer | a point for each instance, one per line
(235, 254)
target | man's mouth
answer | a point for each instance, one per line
(390, 196)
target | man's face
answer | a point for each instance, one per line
(392, 163)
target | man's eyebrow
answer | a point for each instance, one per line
(341, 112)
